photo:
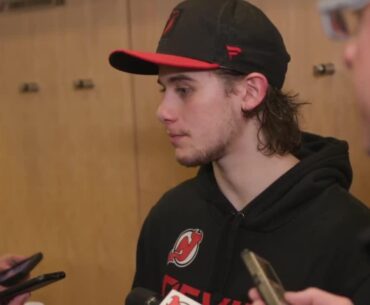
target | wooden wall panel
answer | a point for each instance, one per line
(68, 171)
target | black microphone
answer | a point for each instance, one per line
(143, 296)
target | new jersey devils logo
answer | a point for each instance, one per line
(186, 248)
(175, 300)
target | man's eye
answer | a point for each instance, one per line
(359, 14)
(183, 90)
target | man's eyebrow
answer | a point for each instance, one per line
(176, 78)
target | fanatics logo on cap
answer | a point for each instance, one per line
(171, 21)
(186, 248)
(233, 51)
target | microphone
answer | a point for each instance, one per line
(143, 296)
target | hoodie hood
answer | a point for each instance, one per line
(324, 163)
(328, 157)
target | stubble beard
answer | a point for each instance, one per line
(215, 150)
(202, 157)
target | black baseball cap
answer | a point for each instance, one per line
(213, 34)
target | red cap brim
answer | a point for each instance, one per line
(148, 63)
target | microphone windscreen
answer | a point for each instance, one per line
(142, 296)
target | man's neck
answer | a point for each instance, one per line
(243, 176)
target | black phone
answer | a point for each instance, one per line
(265, 278)
(30, 285)
(20, 271)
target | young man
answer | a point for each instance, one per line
(339, 23)
(262, 184)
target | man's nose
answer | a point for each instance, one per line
(165, 111)
(350, 53)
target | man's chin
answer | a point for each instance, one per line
(191, 161)
(188, 162)
(366, 136)
(368, 148)
(197, 157)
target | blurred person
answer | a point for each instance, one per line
(350, 20)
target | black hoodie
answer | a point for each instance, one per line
(305, 223)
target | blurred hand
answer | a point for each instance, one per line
(9, 260)
(18, 300)
(310, 296)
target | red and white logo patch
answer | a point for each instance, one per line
(186, 248)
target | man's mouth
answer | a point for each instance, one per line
(176, 137)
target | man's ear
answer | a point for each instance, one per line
(254, 90)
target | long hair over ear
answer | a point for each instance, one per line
(277, 115)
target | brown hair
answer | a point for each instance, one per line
(279, 131)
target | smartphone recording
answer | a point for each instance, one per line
(19, 271)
